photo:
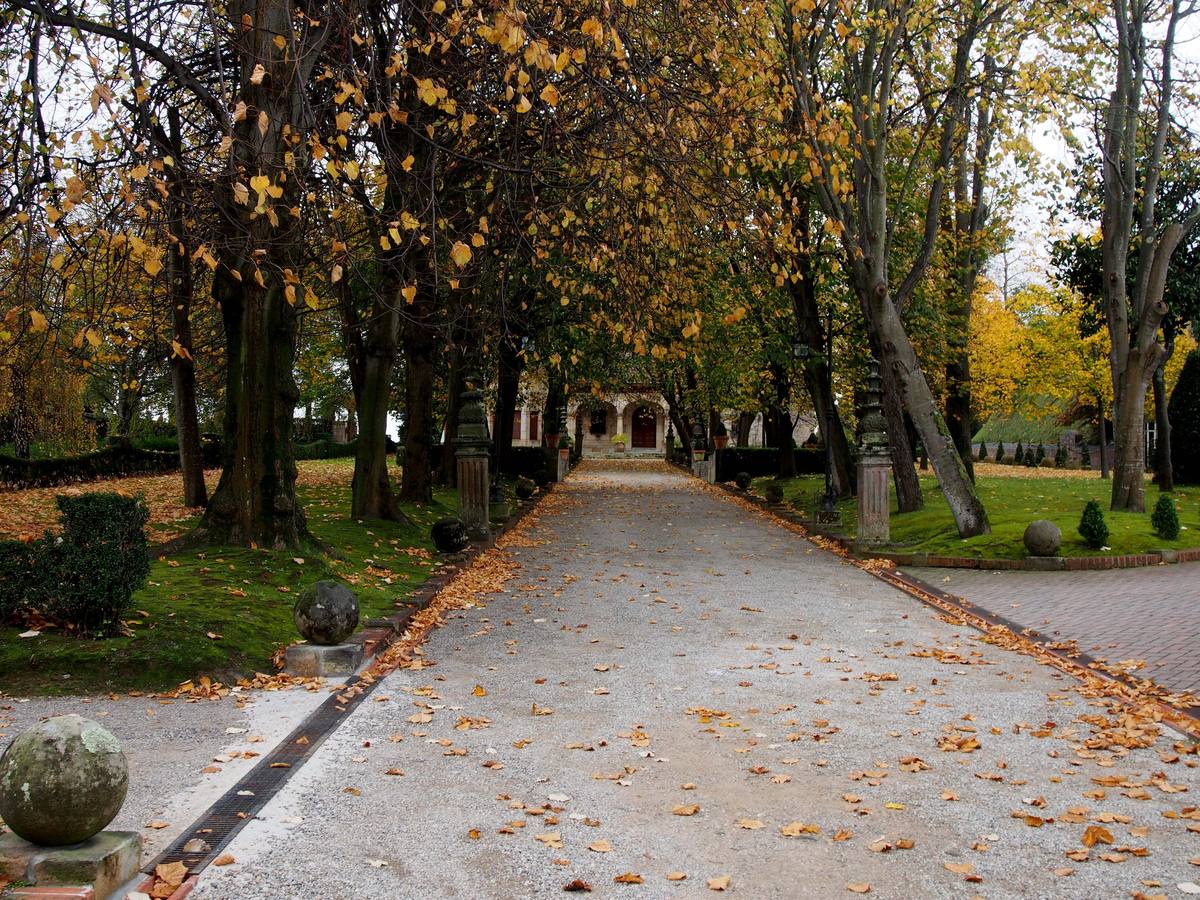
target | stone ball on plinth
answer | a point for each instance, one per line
(450, 535)
(62, 781)
(326, 613)
(1043, 538)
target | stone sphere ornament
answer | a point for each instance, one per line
(450, 535)
(326, 613)
(1043, 538)
(62, 781)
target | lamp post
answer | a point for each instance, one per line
(804, 353)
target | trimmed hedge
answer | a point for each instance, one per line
(1184, 412)
(84, 577)
(529, 462)
(760, 461)
(325, 450)
(111, 462)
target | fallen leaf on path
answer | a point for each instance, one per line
(157, 824)
(858, 887)
(689, 809)
(797, 829)
(577, 886)
(601, 846)
(719, 883)
(749, 824)
(225, 859)
(676, 876)
(1096, 835)
(629, 878)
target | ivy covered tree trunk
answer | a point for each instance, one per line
(958, 408)
(447, 470)
(552, 411)
(781, 422)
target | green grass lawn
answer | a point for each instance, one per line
(243, 597)
(1012, 502)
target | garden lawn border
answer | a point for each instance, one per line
(943, 561)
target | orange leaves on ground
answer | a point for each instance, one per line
(629, 878)
(686, 809)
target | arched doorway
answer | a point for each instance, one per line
(644, 429)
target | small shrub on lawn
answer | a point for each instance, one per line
(1060, 456)
(742, 480)
(1000, 453)
(525, 488)
(84, 577)
(1165, 518)
(1019, 455)
(773, 492)
(1041, 453)
(1092, 527)
(982, 452)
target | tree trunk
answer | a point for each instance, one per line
(180, 287)
(745, 421)
(1103, 432)
(255, 500)
(447, 470)
(899, 357)
(958, 408)
(21, 436)
(816, 381)
(419, 346)
(1164, 473)
(783, 425)
(254, 503)
(904, 474)
(508, 381)
(552, 412)
(371, 494)
(1129, 463)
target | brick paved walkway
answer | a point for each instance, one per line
(1151, 614)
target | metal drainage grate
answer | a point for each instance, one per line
(242, 802)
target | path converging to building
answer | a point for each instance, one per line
(676, 695)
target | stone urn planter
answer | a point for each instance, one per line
(618, 443)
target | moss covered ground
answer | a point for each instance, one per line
(223, 612)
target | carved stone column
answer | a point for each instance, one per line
(874, 468)
(471, 452)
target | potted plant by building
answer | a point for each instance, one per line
(720, 436)
(670, 439)
(618, 441)
(564, 446)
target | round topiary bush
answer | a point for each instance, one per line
(773, 492)
(326, 613)
(62, 781)
(742, 480)
(1043, 538)
(1092, 527)
(1165, 518)
(450, 535)
(525, 488)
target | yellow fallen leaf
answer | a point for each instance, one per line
(858, 887)
(749, 824)
(601, 846)
(629, 878)
(719, 883)
(689, 809)
(479, 691)
(676, 876)
(225, 859)
(797, 829)
(157, 824)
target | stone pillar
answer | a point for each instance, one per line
(874, 468)
(524, 436)
(472, 454)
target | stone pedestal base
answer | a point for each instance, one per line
(473, 492)
(564, 463)
(105, 863)
(315, 661)
(874, 527)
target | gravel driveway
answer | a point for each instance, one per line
(674, 689)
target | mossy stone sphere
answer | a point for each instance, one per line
(62, 781)
(1043, 538)
(450, 535)
(326, 613)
